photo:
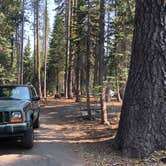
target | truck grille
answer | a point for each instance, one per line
(4, 117)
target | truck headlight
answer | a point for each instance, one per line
(16, 117)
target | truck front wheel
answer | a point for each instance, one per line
(28, 138)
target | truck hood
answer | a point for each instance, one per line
(7, 105)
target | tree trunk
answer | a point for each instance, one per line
(57, 82)
(78, 74)
(96, 66)
(12, 52)
(34, 51)
(70, 77)
(88, 66)
(22, 44)
(118, 90)
(82, 79)
(45, 50)
(18, 54)
(68, 21)
(142, 127)
(70, 63)
(38, 50)
(104, 119)
(78, 52)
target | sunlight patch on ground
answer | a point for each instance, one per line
(12, 158)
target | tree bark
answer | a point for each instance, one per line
(142, 127)
(78, 74)
(68, 21)
(78, 52)
(57, 82)
(45, 50)
(88, 66)
(22, 45)
(34, 51)
(118, 90)
(18, 54)
(38, 51)
(96, 66)
(104, 119)
(70, 62)
(70, 77)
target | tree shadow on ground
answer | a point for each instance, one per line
(61, 122)
(62, 125)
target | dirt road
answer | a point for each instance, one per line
(65, 138)
(51, 148)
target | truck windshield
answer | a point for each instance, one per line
(13, 92)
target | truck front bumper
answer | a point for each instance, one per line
(11, 130)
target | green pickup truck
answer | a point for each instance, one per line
(19, 113)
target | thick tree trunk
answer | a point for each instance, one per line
(142, 127)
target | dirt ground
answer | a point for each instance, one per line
(66, 138)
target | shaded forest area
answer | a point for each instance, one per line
(87, 55)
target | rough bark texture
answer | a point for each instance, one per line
(142, 127)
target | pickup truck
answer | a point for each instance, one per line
(19, 113)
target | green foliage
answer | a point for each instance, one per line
(28, 72)
(9, 19)
(56, 58)
(122, 28)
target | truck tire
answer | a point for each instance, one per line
(28, 139)
(36, 124)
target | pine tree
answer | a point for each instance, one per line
(56, 57)
(27, 60)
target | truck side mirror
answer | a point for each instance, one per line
(36, 98)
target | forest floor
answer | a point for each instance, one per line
(66, 138)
